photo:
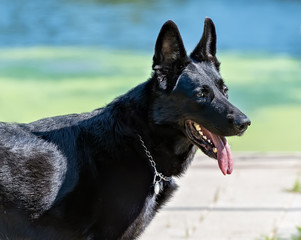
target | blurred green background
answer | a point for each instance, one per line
(60, 57)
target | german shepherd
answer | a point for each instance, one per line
(104, 174)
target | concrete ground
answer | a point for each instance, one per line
(252, 203)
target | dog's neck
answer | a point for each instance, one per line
(171, 151)
(170, 148)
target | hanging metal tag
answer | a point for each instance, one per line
(157, 188)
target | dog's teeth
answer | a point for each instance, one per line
(200, 132)
(197, 127)
(214, 150)
(209, 140)
(205, 137)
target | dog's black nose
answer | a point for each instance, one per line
(241, 123)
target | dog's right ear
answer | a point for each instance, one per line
(206, 48)
(170, 56)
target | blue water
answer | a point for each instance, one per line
(272, 26)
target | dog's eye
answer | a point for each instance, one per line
(203, 92)
(225, 91)
(200, 95)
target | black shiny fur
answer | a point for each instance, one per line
(86, 176)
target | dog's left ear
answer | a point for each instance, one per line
(206, 48)
(170, 56)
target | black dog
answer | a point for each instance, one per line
(104, 174)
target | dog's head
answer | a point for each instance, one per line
(192, 96)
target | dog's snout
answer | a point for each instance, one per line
(240, 123)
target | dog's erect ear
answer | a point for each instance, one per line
(170, 56)
(206, 48)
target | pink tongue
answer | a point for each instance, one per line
(224, 155)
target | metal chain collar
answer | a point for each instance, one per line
(153, 164)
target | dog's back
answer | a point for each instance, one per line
(34, 158)
(39, 166)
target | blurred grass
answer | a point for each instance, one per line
(43, 82)
(296, 236)
(40, 82)
(268, 89)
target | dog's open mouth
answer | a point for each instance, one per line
(212, 145)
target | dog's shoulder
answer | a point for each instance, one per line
(31, 169)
